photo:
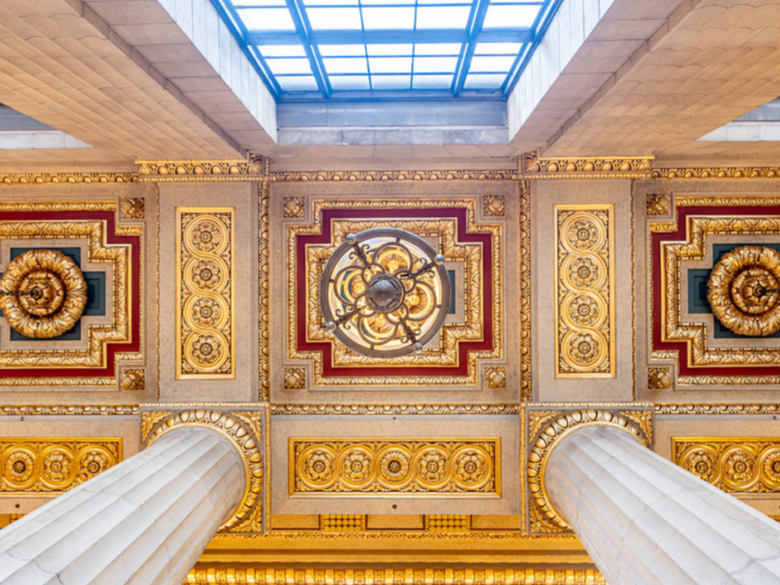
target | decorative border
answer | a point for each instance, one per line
(448, 175)
(264, 271)
(546, 425)
(69, 410)
(67, 178)
(403, 409)
(403, 575)
(214, 257)
(119, 245)
(717, 173)
(252, 168)
(594, 292)
(716, 409)
(684, 238)
(35, 466)
(461, 358)
(533, 166)
(424, 467)
(242, 427)
(526, 388)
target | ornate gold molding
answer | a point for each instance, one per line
(495, 377)
(716, 409)
(732, 464)
(658, 204)
(717, 173)
(403, 409)
(387, 467)
(548, 427)
(659, 378)
(69, 410)
(343, 522)
(585, 281)
(448, 175)
(526, 392)
(493, 205)
(133, 207)
(453, 575)
(244, 429)
(205, 293)
(449, 523)
(251, 168)
(35, 466)
(533, 166)
(66, 178)
(294, 378)
(263, 271)
(133, 379)
(294, 207)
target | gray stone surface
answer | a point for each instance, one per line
(145, 521)
(646, 521)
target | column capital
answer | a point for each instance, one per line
(239, 423)
(547, 427)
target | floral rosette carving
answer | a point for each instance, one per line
(744, 289)
(42, 293)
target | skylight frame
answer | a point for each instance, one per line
(310, 38)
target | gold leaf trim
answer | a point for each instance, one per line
(534, 166)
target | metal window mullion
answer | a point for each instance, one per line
(464, 63)
(302, 25)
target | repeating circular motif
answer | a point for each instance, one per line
(57, 466)
(432, 465)
(356, 466)
(319, 466)
(581, 232)
(585, 310)
(207, 235)
(208, 275)
(740, 469)
(742, 290)
(44, 293)
(770, 469)
(207, 311)
(472, 468)
(53, 468)
(702, 462)
(395, 466)
(19, 468)
(586, 350)
(585, 272)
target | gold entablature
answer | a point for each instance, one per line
(717, 409)
(243, 428)
(717, 173)
(403, 409)
(454, 575)
(534, 166)
(733, 464)
(369, 467)
(251, 168)
(205, 293)
(66, 178)
(448, 175)
(70, 410)
(547, 425)
(38, 466)
(585, 279)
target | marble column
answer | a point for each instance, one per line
(645, 520)
(144, 521)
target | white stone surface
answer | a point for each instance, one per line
(145, 521)
(646, 521)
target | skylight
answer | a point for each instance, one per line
(378, 48)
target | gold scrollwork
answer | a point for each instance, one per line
(733, 464)
(244, 430)
(453, 575)
(534, 166)
(371, 467)
(205, 289)
(548, 431)
(42, 293)
(743, 290)
(585, 280)
(38, 465)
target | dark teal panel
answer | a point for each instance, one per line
(451, 274)
(73, 253)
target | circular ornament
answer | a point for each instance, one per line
(743, 291)
(42, 293)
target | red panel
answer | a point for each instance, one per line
(329, 215)
(112, 348)
(680, 235)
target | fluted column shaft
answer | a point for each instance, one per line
(646, 521)
(144, 521)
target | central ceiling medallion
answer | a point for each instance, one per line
(42, 293)
(744, 290)
(385, 292)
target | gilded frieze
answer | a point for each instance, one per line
(675, 243)
(534, 166)
(337, 176)
(120, 248)
(263, 271)
(251, 168)
(205, 291)
(369, 467)
(53, 465)
(455, 575)
(585, 281)
(525, 290)
(732, 464)
(405, 409)
(453, 360)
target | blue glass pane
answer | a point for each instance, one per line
(282, 51)
(342, 50)
(510, 16)
(391, 81)
(498, 48)
(302, 83)
(276, 19)
(346, 65)
(452, 17)
(388, 18)
(281, 66)
(491, 64)
(349, 82)
(390, 64)
(432, 81)
(334, 18)
(437, 49)
(399, 50)
(484, 81)
(435, 64)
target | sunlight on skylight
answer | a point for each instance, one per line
(334, 47)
